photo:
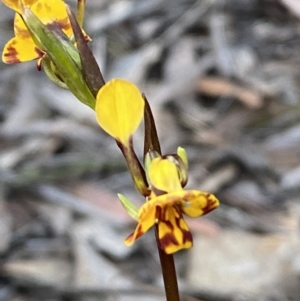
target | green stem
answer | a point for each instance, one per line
(168, 271)
(135, 168)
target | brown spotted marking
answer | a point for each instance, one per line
(211, 203)
(39, 6)
(131, 238)
(186, 234)
(11, 56)
(63, 23)
(21, 32)
(170, 239)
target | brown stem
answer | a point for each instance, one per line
(151, 143)
(168, 271)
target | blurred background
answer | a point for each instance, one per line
(222, 78)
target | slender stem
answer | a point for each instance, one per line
(168, 271)
(135, 168)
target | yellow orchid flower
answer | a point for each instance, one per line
(22, 47)
(166, 205)
(119, 109)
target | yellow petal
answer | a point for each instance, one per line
(14, 4)
(147, 218)
(173, 232)
(167, 210)
(163, 175)
(48, 15)
(53, 11)
(191, 202)
(49, 12)
(198, 203)
(119, 109)
(20, 28)
(148, 213)
(20, 50)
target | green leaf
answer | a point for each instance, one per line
(131, 209)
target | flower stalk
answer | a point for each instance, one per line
(168, 272)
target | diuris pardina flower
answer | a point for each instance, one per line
(167, 204)
(119, 108)
(23, 47)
